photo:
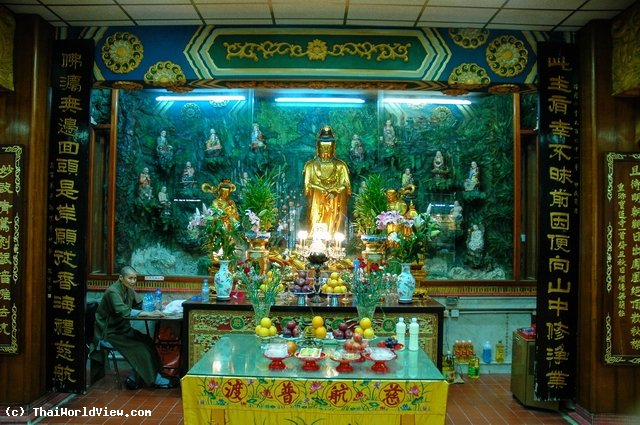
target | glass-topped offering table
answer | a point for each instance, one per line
(205, 323)
(233, 384)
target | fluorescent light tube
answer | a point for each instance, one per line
(318, 100)
(426, 100)
(214, 98)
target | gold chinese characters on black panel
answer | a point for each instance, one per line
(557, 290)
(66, 214)
(622, 259)
(11, 164)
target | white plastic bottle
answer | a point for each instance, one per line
(414, 330)
(206, 291)
(401, 330)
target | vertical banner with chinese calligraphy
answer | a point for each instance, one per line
(622, 259)
(11, 167)
(67, 210)
(557, 291)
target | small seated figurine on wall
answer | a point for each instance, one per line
(407, 178)
(213, 145)
(439, 168)
(163, 148)
(188, 176)
(163, 198)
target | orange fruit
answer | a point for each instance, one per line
(265, 322)
(291, 347)
(321, 332)
(317, 321)
(368, 333)
(365, 323)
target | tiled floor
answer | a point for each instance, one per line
(485, 401)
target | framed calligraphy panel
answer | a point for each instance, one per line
(622, 259)
(11, 165)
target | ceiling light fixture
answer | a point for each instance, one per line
(342, 100)
(213, 98)
(426, 100)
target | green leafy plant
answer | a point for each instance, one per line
(411, 237)
(370, 202)
(220, 232)
(258, 206)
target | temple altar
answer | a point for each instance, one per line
(233, 384)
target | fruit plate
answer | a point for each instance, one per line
(290, 338)
(277, 362)
(380, 357)
(396, 347)
(345, 358)
(310, 363)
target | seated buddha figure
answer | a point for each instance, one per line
(326, 184)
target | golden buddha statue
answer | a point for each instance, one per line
(326, 184)
(395, 202)
(223, 200)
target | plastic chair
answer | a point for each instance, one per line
(90, 320)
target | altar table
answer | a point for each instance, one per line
(232, 384)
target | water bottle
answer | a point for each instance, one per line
(206, 291)
(401, 330)
(158, 299)
(414, 330)
(486, 352)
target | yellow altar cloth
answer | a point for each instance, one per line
(232, 384)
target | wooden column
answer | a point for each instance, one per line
(24, 120)
(607, 124)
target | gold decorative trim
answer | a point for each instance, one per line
(608, 357)
(430, 290)
(127, 85)
(611, 157)
(468, 38)
(122, 52)
(507, 56)
(270, 84)
(504, 89)
(455, 91)
(317, 50)
(165, 74)
(609, 259)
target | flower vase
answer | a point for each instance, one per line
(223, 281)
(374, 249)
(261, 308)
(258, 251)
(365, 311)
(406, 284)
